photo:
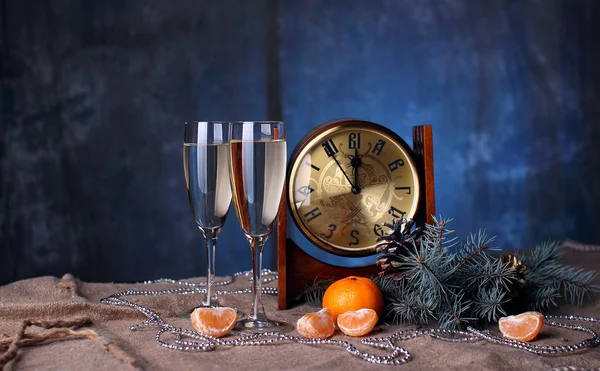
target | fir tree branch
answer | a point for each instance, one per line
(313, 294)
(444, 292)
(441, 226)
(574, 282)
(543, 254)
(473, 247)
(407, 305)
(488, 270)
(452, 318)
(488, 304)
(423, 280)
(540, 298)
(465, 260)
(438, 234)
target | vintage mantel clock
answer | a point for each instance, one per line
(345, 179)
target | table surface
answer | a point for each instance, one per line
(117, 347)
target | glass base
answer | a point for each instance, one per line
(249, 326)
(187, 314)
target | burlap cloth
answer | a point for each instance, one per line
(116, 347)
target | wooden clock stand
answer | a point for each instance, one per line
(297, 269)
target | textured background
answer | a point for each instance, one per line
(94, 94)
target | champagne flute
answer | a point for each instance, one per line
(205, 164)
(257, 163)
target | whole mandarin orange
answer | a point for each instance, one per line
(353, 293)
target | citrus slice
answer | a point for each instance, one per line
(215, 322)
(353, 293)
(524, 327)
(317, 325)
(357, 323)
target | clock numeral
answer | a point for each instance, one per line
(407, 189)
(332, 228)
(356, 241)
(330, 148)
(396, 164)
(378, 147)
(313, 214)
(378, 230)
(313, 166)
(306, 190)
(354, 141)
(396, 213)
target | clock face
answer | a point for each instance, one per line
(345, 180)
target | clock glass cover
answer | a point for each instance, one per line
(345, 180)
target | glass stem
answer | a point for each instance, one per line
(210, 238)
(257, 243)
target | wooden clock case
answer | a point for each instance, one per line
(297, 269)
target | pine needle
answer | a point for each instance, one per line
(313, 294)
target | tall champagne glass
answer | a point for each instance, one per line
(257, 162)
(205, 163)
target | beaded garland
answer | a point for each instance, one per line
(397, 354)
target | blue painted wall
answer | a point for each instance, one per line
(94, 94)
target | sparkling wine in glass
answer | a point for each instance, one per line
(206, 168)
(257, 165)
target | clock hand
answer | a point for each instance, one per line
(355, 162)
(354, 189)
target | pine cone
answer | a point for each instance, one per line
(393, 246)
(517, 286)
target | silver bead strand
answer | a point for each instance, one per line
(398, 355)
(548, 349)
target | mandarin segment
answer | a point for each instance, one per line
(317, 325)
(215, 322)
(523, 327)
(353, 293)
(357, 323)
